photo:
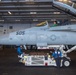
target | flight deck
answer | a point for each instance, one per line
(9, 65)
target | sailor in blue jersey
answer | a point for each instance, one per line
(57, 56)
(19, 50)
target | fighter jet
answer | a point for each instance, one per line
(69, 6)
(41, 36)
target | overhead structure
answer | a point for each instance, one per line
(30, 11)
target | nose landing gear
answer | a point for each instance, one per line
(31, 47)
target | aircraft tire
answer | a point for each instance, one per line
(31, 47)
(28, 47)
(34, 47)
(66, 62)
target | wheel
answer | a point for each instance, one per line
(31, 47)
(66, 62)
(34, 47)
(28, 47)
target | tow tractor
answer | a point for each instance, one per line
(46, 60)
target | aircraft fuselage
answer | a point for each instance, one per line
(39, 38)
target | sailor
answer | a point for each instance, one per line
(57, 56)
(55, 23)
(19, 50)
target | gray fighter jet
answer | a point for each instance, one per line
(41, 36)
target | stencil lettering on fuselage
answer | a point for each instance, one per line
(20, 33)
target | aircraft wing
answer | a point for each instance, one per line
(63, 28)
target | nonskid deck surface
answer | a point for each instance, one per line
(9, 65)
